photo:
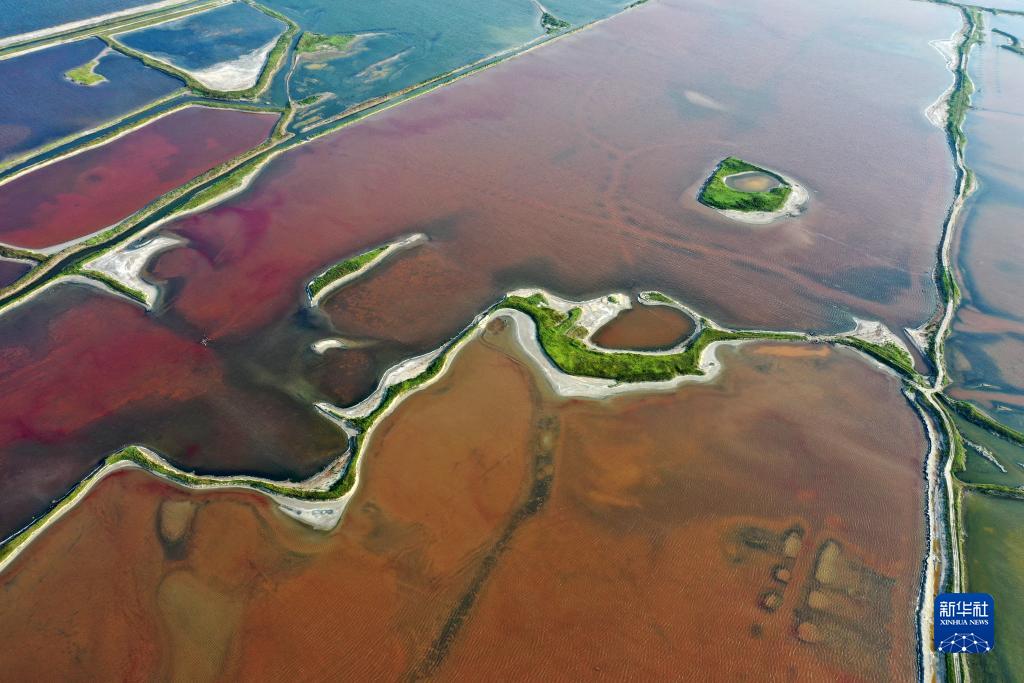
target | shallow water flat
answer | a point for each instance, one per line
(485, 168)
(12, 270)
(670, 543)
(400, 43)
(97, 188)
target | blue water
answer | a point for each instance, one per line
(208, 38)
(21, 16)
(38, 105)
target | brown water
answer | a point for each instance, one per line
(500, 528)
(645, 328)
(752, 181)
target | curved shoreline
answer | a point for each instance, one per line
(321, 499)
(390, 248)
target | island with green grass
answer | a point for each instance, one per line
(85, 74)
(743, 192)
(322, 42)
(552, 24)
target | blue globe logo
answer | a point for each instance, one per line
(964, 642)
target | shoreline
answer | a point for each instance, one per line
(934, 334)
(125, 264)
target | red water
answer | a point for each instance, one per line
(575, 166)
(95, 189)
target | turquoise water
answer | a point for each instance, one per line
(22, 17)
(39, 105)
(578, 12)
(208, 38)
(402, 43)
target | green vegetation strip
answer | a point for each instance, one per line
(973, 414)
(340, 270)
(718, 195)
(963, 87)
(658, 296)
(889, 353)
(114, 284)
(21, 254)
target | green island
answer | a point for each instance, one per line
(717, 194)
(340, 270)
(86, 74)
(560, 338)
(319, 42)
(552, 24)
